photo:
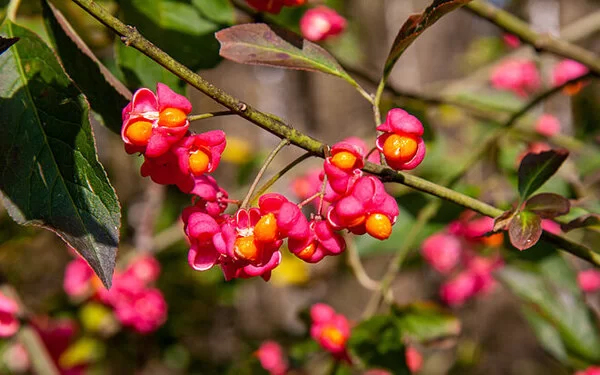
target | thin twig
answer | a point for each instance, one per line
(356, 266)
(204, 116)
(541, 42)
(431, 209)
(263, 169)
(279, 174)
(274, 125)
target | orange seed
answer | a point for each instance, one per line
(399, 148)
(245, 248)
(343, 160)
(139, 132)
(172, 117)
(199, 162)
(266, 228)
(379, 226)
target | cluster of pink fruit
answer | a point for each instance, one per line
(246, 243)
(455, 253)
(135, 303)
(332, 331)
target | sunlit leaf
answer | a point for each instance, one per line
(525, 230)
(260, 44)
(141, 71)
(219, 11)
(49, 171)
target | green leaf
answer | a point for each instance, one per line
(525, 230)
(177, 28)
(219, 11)
(536, 169)
(549, 289)
(548, 336)
(49, 171)
(415, 25)
(260, 44)
(426, 322)
(377, 342)
(106, 94)
(585, 221)
(3, 8)
(141, 71)
(548, 205)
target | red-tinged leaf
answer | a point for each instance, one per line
(5, 43)
(415, 25)
(548, 205)
(536, 169)
(106, 94)
(503, 221)
(259, 44)
(589, 220)
(525, 230)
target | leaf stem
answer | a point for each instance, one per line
(279, 174)
(353, 259)
(263, 169)
(204, 116)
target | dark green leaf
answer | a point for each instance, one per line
(177, 28)
(5, 43)
(106, 94)
(536, 169)
(549, 288)
(259, 44)
(49, 171)
(548, 205)
(378, 343)
(588, 220)
(219, 11)
(525, 230)
(415, 25)
(141, 71)
(426, 322)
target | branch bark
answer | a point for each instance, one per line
(131, 37)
